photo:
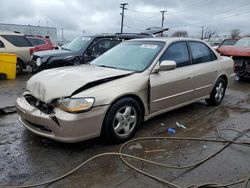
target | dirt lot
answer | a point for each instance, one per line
(27, 159)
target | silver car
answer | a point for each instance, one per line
(127, 85)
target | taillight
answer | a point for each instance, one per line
(234, 63)
(32, 50)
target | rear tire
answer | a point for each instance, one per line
(122, 120)
(241, 78)
(19, 67)
(217, 93)
(2, 76)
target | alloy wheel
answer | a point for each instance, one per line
(125, 121)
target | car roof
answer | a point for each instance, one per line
(167, 39)
(10, 33)
(119, 35)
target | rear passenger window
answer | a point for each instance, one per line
(177, 52)
(18, 41)
(1, 44)
(36, 42)
(201, 53)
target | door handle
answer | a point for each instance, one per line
(190, 77)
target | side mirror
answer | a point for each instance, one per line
(88, 52)
(167, 65)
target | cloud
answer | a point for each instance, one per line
(77, 16)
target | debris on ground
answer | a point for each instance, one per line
(171, 130)
(155, 150)
(7, 110)
(181, 125)
(136, 146)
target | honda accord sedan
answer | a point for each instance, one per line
(129, 84)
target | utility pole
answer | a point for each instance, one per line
(62, 36)
(123, 7)
(162, 17)
(202, 32)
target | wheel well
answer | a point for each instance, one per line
(224, 77)
(135, 97)
(20, 60)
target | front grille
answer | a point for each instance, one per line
(45, 108)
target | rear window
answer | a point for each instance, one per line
(228, 42)
(1, 44)
(201, 53)
(18, 41)
(36, 41)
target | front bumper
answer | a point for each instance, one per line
(60, 125)
(242, 66)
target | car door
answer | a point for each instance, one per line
(100, 47)
(172, 88)
(204, 65)
(2, 47)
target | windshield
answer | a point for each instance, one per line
(133, 56)
(77, 44)
(245, 42)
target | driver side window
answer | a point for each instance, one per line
(177, 52)
(102, 46)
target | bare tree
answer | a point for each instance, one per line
(209, 32)
(235, 33)
(180, 34)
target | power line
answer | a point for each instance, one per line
(141, 12)
(212, 20)
(194, 6)
(144, 15)
(138, 20)
(100, 21)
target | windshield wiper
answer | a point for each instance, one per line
(66, 49)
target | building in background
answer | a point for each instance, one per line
(32, 30)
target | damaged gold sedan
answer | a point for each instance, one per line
(127, 85)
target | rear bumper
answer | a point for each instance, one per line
(60, 125)
(231, 79)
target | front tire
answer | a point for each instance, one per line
(217, 93)
(122, 120)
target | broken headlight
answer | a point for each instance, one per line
(41, 60)
(75, 105)
(38, 61)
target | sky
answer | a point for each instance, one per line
(79, 17)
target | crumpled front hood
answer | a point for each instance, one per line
(62, 82)
(234, 51)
